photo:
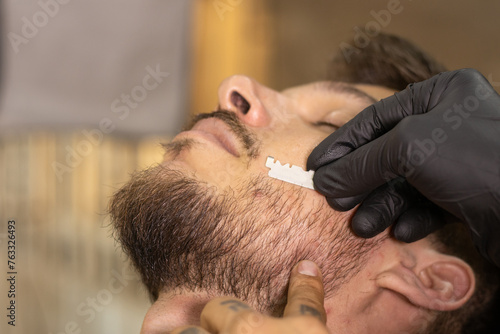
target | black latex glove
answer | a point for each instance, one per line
(433, 146)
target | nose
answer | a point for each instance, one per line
(244, 96)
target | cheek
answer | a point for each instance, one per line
(292, 146)
(211, 166)
(323, 212)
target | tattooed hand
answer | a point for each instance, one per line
(304, 312)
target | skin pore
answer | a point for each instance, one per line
(249, 230)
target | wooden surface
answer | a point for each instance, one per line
(65, 254)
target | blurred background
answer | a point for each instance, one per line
(89, 89)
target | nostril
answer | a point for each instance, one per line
(240, 103)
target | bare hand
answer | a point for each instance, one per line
(304, 312)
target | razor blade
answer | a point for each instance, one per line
(291, 174)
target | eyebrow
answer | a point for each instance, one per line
(344, 88)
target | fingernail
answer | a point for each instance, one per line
(308, 268)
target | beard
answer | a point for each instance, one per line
(186, 235)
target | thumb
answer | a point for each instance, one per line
(305, 292)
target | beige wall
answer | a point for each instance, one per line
(283, 43)
(229, 37)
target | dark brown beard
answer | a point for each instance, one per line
(181, 233)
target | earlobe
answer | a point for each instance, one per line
(444, 284)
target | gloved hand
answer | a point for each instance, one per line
(433, 146)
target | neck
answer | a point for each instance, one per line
(174, 310)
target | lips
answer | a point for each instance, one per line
(217, 132)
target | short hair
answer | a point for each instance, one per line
(394, 62)
(386, 60)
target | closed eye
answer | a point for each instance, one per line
(326, 124)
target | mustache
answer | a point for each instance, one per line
(244, 135)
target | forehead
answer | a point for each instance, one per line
(366, 93)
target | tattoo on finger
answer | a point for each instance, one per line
(235, 305)
(308, 310)
(191, 330)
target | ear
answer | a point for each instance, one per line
(435, 281)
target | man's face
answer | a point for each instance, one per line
(210, 219)
(286, 125)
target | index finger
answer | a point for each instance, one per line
(305, 292)
(224, 313)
